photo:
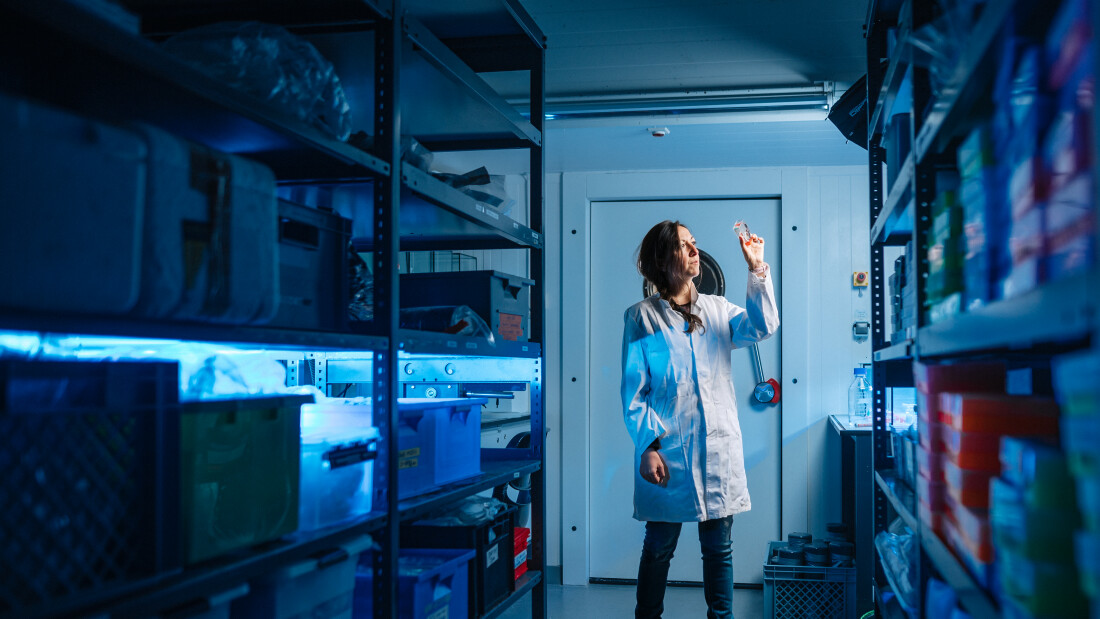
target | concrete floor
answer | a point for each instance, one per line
(617, 602)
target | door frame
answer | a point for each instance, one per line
(579, 191)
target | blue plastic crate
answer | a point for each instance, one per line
(438, 442)
(430, 583)
(792, 592)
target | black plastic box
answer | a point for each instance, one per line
(502, 300)
(492, 572)
(313, 267)
(90, 488)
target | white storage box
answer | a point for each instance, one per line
(316, 588)
(339, 445)
(73, 211)
(211, 234)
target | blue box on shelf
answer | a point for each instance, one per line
(91, 488)
(321, 586)
(438, 442)
(430, 583)
(493, 540)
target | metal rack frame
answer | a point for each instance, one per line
(1058, 316)
(132, 79)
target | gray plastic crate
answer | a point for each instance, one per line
(502, 300)
(807, 591)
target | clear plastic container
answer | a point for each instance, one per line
(339, 446)
(859, 397)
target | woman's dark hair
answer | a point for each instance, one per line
(659, 263)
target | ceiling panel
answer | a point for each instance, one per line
(630, 46)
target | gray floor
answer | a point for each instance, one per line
(617, 601)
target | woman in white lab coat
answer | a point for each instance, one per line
(680, 410)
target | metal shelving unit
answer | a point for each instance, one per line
(1055, 317)
(413, 70)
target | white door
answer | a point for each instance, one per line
(617, 230)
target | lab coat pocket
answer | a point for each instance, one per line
(721, 422)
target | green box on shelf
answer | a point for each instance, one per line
(239, 466)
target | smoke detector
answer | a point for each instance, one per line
(658, 132)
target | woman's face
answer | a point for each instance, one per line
(688, 253)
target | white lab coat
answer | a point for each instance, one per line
(678, 387)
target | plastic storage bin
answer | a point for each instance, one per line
(339, 446)
(210, 250)
(493, 541)
(502, 300)
(240, 473)
(522, 539)
(318, 588)
(930, 464)
(969, 488)
(313, 265)
(64, 176)
(438, 442)
(973, 450)
(999, 414)
(431, 583)
(90, 492)
(1034, 531)
(219, 605)
(809, 591)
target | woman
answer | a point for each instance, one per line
(680, 410)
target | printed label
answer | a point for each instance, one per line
(442, 613)
(408, 458)
(492, 555)
(511, 326)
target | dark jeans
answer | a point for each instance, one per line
(660, 543)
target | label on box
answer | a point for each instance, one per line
(408, 458)
(492, 555)
(511, 326)
(442, 613)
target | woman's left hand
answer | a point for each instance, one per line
(753, 249)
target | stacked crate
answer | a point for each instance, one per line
(945, 251)
(1033, 516)
(931, 381)
(974, 425)
(1079, 397)
(1066, 151)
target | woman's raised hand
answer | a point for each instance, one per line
(753, 249)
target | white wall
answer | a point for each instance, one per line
(839, 245)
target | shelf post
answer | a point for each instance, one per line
(876, 50)
(386, 229)
(536, 554)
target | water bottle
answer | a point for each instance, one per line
(859, 397)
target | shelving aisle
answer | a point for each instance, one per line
(409, 69)
(1028, 322)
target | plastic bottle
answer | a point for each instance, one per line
(859, 397)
